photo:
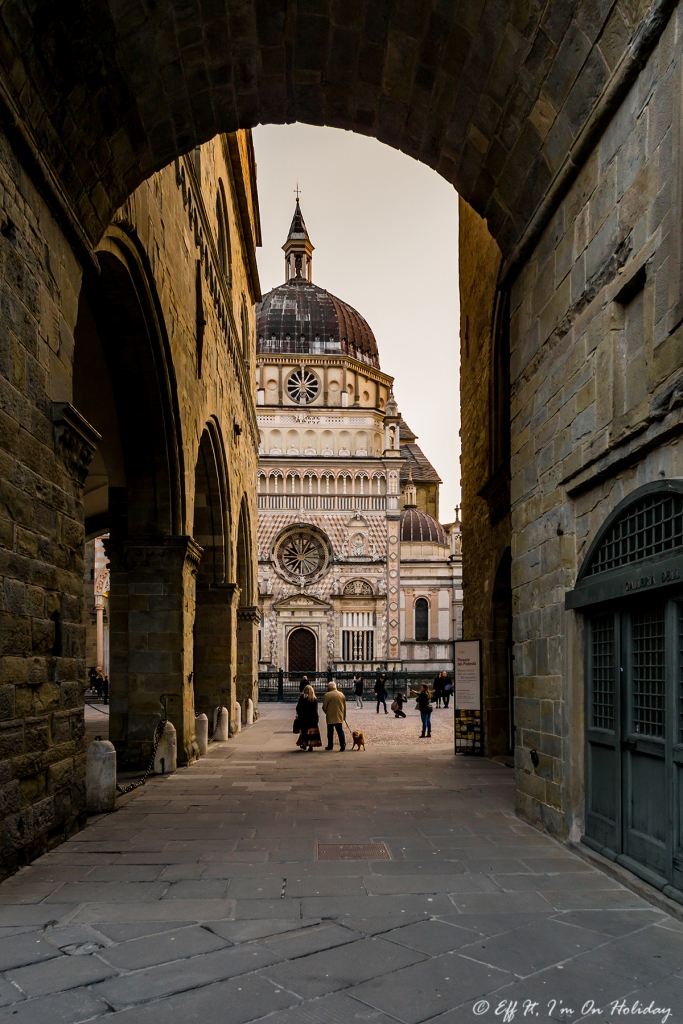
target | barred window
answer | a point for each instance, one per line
(648, 672)
(649, 527)
(603, 672)
(358, 644)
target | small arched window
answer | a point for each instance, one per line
(422, 619)
(224, 249)
(244, 326)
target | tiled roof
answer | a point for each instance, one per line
(415, 459)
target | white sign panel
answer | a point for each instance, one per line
(467, 675)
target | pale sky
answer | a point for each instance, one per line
(385, 231)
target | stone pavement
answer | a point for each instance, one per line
(201, 899)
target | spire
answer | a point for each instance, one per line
(298, 249)
(410, 492)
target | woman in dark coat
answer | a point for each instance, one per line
(307, 715)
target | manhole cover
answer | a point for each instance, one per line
(353, 851)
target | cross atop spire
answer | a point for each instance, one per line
(298, 248)
(297, 190)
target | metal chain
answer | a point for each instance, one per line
(158, 732)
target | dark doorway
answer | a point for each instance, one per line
(301, 648)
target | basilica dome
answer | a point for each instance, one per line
(300, 318)
(420, 527)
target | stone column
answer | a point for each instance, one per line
(99, 616)
(215, 647)
(248, 618)
(152, 610)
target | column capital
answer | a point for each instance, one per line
(75, 440)
(158, 553)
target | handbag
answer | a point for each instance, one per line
(395, 706)
(296, 727)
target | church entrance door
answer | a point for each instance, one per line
(301, 650)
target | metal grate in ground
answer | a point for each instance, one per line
(353, 851)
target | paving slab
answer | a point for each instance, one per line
(170, 945)
(58, 975)
(167, 979)
(327, 971)
(201, 900)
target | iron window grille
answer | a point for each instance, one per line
(603, 672)
(648, 673)
(649, 527)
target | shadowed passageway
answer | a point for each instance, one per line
(202, 898)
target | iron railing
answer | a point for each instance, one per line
(285, 686)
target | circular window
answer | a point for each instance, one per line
(302, 386)
(302, 555)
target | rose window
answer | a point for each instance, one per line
(302, 555)
(303, 386)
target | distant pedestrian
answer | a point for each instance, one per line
(381, 692)
(303, 684)
(105, 689)
(397, 706)
(334, 706)
(447, 690)
(99, 683)
(438, 688)
(358, 690)
(307, 718)
(425, 706)
(92, 676)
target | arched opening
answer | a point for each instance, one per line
(422, 619)
(302, 651)
(247, 612)
(123, 383)
(215, 612)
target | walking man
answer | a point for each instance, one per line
(358, 690)
(334, 706)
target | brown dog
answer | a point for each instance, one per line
(358, 741)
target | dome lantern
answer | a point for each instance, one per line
(298, 249)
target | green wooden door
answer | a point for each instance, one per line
(646, 769)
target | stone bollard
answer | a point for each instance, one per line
(220, 734)
(250, 712)
(238, 716)
(166, 760)
(201, 732)
(100, 777)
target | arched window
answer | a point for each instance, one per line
(422, 619)
(223, 227)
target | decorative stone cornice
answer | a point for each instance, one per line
(249, 613)
(75, 440)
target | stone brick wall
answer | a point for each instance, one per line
(42, 750)
(45, 450)
(485, 529)
(596, 351)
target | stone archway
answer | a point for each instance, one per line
(124, 384)
(503, 99)
(215, 629)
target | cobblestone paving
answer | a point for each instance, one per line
(201, 899)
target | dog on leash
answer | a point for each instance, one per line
(358, 741)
